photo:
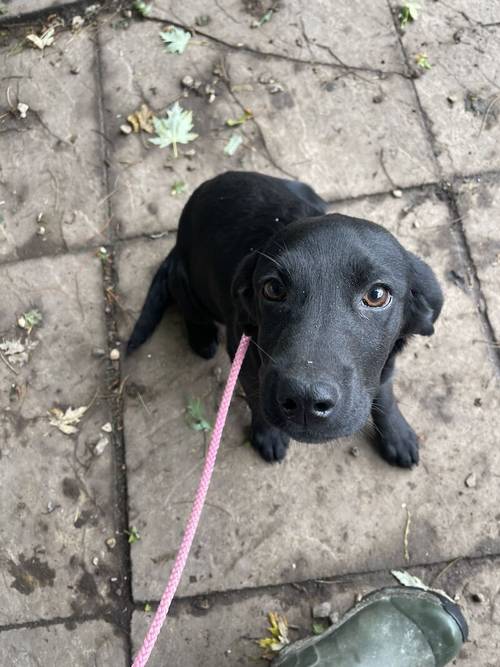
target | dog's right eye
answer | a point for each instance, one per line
(274, 290)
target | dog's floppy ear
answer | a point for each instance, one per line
(242, 293)
(425, 299)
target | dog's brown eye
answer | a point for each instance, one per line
(377, 296)
(274, 290)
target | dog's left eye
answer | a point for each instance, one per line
(274, 290)
(377, 297)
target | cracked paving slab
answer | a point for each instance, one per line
(327, 32)
(223, 630)
(460, 93)
(331, 117)
(79, 645)
(52, 181)
(479, 204)
(350, 513)
(55, 489)
(142, 175)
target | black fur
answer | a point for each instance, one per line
(322, 359)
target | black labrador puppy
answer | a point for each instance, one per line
(327, 299)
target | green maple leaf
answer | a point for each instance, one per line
(174, 129)
(422, 61)
(233, 144)
(409, 12)
(196, 417)
(175, 39)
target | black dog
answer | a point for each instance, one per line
(327, 299)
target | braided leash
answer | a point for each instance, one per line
(192, 524)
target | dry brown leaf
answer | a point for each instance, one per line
(66, 421)
(142, 119)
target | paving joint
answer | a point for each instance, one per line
(66, 10)
(121, 614)
(233, 595)
(449, 194)
(70, 621)
(381, 74)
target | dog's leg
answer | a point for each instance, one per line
(270, 442)
(203, 338)
(396, 440)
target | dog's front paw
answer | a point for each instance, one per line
(398, 442)
(271, 443)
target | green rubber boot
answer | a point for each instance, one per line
(393, 627)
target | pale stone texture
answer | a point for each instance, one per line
(479, 204)
(55, 491)
(142, 175)
(329, 32)
(459, 94)
(224, 630)
(92, 644)
(258, 528)
(51, 169)
(321, 125)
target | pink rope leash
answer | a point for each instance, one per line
(192, 524)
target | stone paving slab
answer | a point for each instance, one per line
(92, 644)
(222, 630)
(55, 491)
(331, 117)
(142, 175)
(327, 32)
(345, 135)
(350, 513)
(459, 93)
(51, 171)
(479, 204)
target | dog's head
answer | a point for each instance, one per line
(326, 301)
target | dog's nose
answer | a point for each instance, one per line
(304, 403)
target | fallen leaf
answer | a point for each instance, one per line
(319, 628)
(196, 417)
(247, 115)
(422, 60)
(233, 144)
(16, 351)
(142, 119)
(178, 188)
(409, 13)
(141, 7)
(101, 445)
(174, 129)
(176, 39)
(30, 319)
(265, 18)
(42, 41)
(147, 607)
(409, 580)
(66, 421)
(133, 535)
(278, 631)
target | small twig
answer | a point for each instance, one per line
(445, 569)
(485, 117)
(407, 535)
(139, 396)
(7, 363)
(384, 169)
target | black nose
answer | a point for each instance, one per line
(304, 403)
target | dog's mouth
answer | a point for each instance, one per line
(309, 435)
